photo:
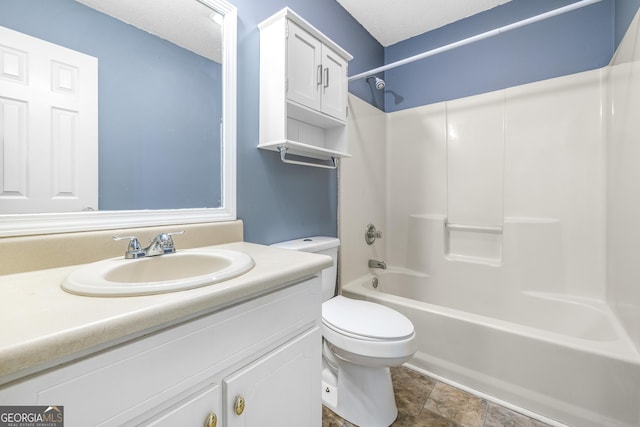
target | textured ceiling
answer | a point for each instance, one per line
(387, 21)
(390, 22)
(168, 19)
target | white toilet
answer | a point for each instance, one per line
(361, 341)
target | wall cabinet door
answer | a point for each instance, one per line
(316, 75)
(304, 68)
(334, 84)
(283, 388)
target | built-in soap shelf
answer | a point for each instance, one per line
(476, 228)
(478, 244)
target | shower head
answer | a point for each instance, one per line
(379, 83)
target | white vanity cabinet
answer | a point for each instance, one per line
(255, 363)
(303, 89)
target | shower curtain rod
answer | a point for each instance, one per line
(472, 39)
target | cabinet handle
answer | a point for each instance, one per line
(239, 405)
(319, 75)
(326, 77)
(211, 421)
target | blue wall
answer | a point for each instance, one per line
(279, 201)
(276, 201)
(150, 91)
(570, 43)
(577, 41)
(625, 10)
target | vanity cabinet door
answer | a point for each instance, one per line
(200, 409)
(282, 388)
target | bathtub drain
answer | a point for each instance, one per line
(374, 282)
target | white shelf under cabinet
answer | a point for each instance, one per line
(303, 89)
(305, 150)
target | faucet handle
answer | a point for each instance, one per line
(164, 241)
(371, 234)
(134, 250)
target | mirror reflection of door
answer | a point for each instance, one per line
(49, 126)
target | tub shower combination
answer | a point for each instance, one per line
(479, 325)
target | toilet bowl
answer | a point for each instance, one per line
(361, 341)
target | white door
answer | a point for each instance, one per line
(334, 84)
(282, 388)
(48, 126)
(304, 68)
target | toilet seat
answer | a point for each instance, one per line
(357, 337)
(365, 320)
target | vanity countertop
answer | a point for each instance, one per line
(42, 325)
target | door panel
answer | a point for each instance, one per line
(48, 127)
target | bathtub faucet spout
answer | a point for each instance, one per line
(377, 264)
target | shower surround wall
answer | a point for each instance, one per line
(623, 178)
(523, 165)
(362, 190)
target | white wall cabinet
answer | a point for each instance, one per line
(265, 352)
(303, 89)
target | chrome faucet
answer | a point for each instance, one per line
(377, 264)
(371, 234)
(160, 245)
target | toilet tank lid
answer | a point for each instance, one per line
(309, 244)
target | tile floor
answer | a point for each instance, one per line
(425, 402)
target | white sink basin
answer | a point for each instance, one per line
(182, 270)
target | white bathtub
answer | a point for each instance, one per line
(564, 359)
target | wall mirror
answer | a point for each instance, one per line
(165, 122)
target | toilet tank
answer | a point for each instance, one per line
(319, 245)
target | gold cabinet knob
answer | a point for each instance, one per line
(211, 421)
(239, 405)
